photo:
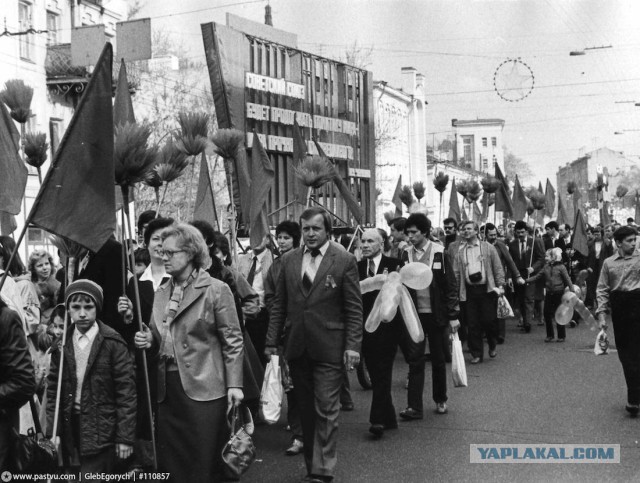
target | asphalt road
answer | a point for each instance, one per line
(532, 393)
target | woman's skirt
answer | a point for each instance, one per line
(191, 435)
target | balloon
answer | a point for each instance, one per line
(416, 275)
(564, 314)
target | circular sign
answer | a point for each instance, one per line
(513, 80)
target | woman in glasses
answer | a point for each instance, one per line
(196, 334)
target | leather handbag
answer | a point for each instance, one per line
(239, 452)
(33, 453)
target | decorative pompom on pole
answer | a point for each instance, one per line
(419, 190)
(389, 216)
(18, 96)
(170, 165)
(406, 196)
(621, 192)
(473, 194)
(313, 172)
(440, 182)
(229, 144)
(71, 251)
(35, 149)
(490, 184)
(192, 140)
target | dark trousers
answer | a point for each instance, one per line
(257, 328)
(102, 462)
(293, 416)
(8, 421)
(379, 350)
(414, 355)
(317, 388)
(625, 316)
(481, 310)
(551, 303)
(524, 295)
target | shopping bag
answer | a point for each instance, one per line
(458, 369)
(239, 452)
(602, 343)
(504, 309)
(271, 394)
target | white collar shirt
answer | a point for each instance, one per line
(87, 338)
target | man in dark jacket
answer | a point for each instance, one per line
(438, 311)
(17, 381)
(98, 404)
(379, 347)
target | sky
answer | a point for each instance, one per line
(577, 102)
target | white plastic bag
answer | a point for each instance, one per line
(272, 391)
(602, 343)
(458, 369)
(504, 308)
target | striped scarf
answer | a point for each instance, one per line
(166, 349)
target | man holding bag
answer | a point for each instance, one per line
(318, 293)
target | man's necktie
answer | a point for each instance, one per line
(252, 271)
(310, 272)
(372, 268)
(523, 249)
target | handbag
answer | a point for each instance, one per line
(239, 452)
(272, 392)
(458, 369)
(33, 453)
(504, 308)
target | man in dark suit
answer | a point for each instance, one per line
(551, 235)
(318, 294)
(379, 347)
(528, 255)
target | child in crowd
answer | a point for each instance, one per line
(142, 259)
(556, 279)
(97, 417)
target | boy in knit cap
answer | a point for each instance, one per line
(97, 415)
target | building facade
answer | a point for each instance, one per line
(400, 138)
(478, 144)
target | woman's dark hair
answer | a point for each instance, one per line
(155, 225)
(206, 229)
(221, 243)
(7, 246)
(145, 218)
(420, 221)
(141, 255)
(292, 229)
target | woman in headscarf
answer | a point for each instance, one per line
(196, 334)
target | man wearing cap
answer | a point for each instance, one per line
(98, 396)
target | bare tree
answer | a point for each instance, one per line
(134, 7)
(358, 55)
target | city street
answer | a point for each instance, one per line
(532, 393)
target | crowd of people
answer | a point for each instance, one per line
(167, 369)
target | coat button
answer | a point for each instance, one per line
(188, 364)
(184, 345)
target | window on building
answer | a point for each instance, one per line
(52, 28)
(467, 146)
(55, 133)
(484, 142)
(494, 142)
(24, 20)
(485, 164)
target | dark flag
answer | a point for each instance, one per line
(519, 201)
(262, 175)
(550, 199)
(579, 240)
(540, 213)
(299, 153)
(77, 199)
(503, 202)
(637, 208)
(485, 207)
(7, 223)
(605, 218)
(396, 197)
(122, 114)
(205, 205)
(562, 212)
(13, 171)
(345, 192)
(454, 205)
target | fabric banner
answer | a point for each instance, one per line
(122, 114)
(579, 240)
(396, 197)
(205, 205)
(454, 205)
(562, 212)
(503, 202)
(519, 201)
(14, 173)
(550, 200)
(262, 176)
(77, 199)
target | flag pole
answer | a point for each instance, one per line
(136, 292)
(56, 413)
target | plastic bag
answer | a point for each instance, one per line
(601, 346)
(504, 309)
(458, 369)
(271, 394)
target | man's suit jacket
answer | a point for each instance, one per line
(325, 320)
(509, 267)
(245, 261)
(369, 298)
(524, 260)
(577, 257)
